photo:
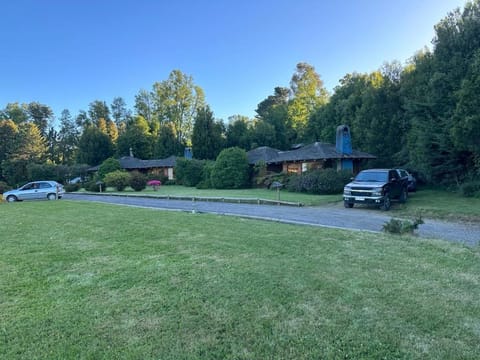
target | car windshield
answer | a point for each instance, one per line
(375, 176)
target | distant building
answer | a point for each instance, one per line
(164, 167)
(313, 156)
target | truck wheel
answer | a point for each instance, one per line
(348, 205)
(386, 203)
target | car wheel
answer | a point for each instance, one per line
(51, 197)
(12, 198)
(387, 203)
(403, 195)
(348, 205)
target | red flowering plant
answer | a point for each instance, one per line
(155, 184)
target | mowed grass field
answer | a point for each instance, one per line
(95, 281)
(250, 193)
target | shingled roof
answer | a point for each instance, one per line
(265, 153)
(315, 151)
(132, 163)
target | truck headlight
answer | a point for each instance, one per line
(377, 191)
(347, 190)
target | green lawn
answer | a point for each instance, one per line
(429, 203)
(444, 205)
(96, 281)
(177, 190)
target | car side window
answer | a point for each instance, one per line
(44, 185)
(394, 175)
(27, 187)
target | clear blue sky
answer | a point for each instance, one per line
(68, 53)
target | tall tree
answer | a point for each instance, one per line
(177, 100)
(466, 118)
(136, 137)
(31, 145)
(307, 93)
(8, 140)
(41, 115)
(238, 132)
(94, 147)
(120, 113)
(433, 90)
(144, 105)
(263, 134)
(274, 112)
(15, 112)
(207, 137)
(67, 138)
(82, 120)
(341, 109)
(98, 110)
(112, 131)
(167, 143)
(53, 148)
(279, 98)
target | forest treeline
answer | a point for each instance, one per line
(423, 115)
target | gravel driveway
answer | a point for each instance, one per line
(333, 216)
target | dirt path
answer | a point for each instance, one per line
(328, 216)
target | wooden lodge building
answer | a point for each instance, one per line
(313, 156)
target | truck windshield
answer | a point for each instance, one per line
(375, 176)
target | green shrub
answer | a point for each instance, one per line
(294, 183)
(470, 189)
(42, 172)
(138, 181)
(4, 187)
(92, 186)
(189, 172)
(72, 187)
(118, 179)
(231, 169)
(263, 178)
(324, 181)
(206, 182)
(108, 166)
(400, 227)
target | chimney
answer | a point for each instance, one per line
(344, 141)
(131, 152)
(187, 153)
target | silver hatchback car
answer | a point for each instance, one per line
(50, 190)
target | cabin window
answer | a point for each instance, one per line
(293, 169)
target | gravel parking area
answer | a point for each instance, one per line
(333, 216)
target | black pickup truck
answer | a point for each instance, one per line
(375, 187)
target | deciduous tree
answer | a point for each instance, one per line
(307, 93)
(177, 100)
